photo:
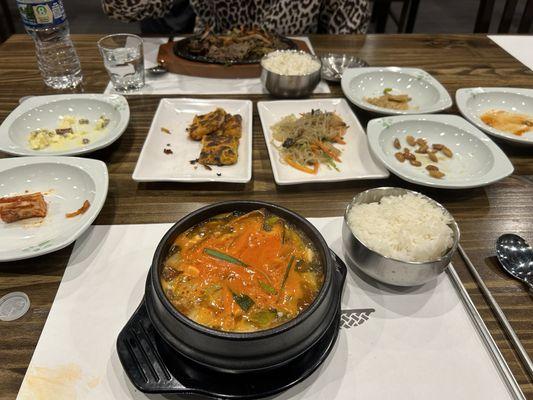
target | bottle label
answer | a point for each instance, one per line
(43, 14)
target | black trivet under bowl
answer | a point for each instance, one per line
(153, 367)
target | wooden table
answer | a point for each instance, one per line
(483, 214)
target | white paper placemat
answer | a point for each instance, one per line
(415, 344)
(519, 46)
(185, 84)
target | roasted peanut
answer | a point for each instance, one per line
(437, 146)
(399, 156)
(447, 152)
(409, 156)
(415, 163)
(436, 174)
(423, 149)
(421, 142)
(432, 156)
(410, 140)
(432, 167)
(397, 144)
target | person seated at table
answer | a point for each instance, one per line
(286, 17)
(154, 16)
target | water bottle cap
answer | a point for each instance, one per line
(13, 306)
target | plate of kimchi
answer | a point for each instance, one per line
(46, 203)
(503, 113)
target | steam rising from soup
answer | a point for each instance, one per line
(242, 272)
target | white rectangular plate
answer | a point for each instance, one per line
(357, 162)
(176, 115)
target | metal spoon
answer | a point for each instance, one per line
(157, 70)
(516, 257)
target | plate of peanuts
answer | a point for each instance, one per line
(442, 151)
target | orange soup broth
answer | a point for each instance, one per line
(206, 286)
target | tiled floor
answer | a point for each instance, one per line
(434, 16)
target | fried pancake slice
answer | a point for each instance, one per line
(232, 126)
(206, 124)
(219, 150)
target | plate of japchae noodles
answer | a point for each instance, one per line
(317, 140)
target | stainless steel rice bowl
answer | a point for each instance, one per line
(386, 269)
(290, 86)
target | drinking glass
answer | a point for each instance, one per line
(123, 60)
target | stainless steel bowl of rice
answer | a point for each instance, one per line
(290, 73)
(398, 236)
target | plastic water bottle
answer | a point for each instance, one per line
(46, 22)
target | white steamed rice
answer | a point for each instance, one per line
(406, 228)
(290, 63)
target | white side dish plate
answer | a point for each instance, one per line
(476, 160)
(427, 94)
(44, 112)
(474, 102)
(357, 162)
(66, 183)
(175, 115)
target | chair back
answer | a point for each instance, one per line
(485, 11)
(7, 28)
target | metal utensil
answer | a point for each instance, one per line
(516, 257)
(333, 65)
(157, 70)
(515, 341)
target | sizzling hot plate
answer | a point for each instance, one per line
(153, 367)
(181, 50)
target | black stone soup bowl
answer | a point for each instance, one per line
(250, 351)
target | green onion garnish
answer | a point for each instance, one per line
(225, 257)
(267, 288)
(286, 275)
(244, 301)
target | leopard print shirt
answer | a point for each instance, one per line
(282, 16)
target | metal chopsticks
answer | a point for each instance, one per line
(528, 364)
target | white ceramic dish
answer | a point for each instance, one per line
(357, 162)
(473, 102)
(427, 93)
(476, 160)
(176, 115)
(44, 112)
(66, 183)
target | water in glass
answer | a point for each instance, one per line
(124, 61)
(126, 68)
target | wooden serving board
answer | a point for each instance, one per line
(179, 65)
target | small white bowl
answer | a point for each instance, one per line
(428, 95)
(473, 102)
(44, 111)
(476, 161)
(66, 183)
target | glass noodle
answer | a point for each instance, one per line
(309, 140)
